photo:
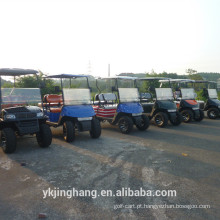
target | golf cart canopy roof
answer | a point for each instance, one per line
(176, 80)
(201, 81)
(16, 72)
(119, 77)
(212, 82)
(69, 76)
(153, 78)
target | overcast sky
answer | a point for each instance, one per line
(62, 36)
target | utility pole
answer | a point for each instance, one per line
(108, 70)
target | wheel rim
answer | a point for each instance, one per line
(123, 125)
(159, 120)
(185, 116)
(212, 114)
(3, 141)
(64, 131)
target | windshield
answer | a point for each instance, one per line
(128, 94)
(76, 96)
(164, 94)
(212, 93)
(20, 96)
(188, 93)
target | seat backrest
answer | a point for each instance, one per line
(53, 98)
(146, 96)
(109, 97)
(99, 97)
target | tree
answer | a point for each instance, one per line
(191, 71)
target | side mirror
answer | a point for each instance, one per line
(57, 89)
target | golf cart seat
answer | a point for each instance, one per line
(145, 97)
(110, 100)
(53, 100)
(98, 99)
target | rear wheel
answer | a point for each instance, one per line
(177, 121)
(96, 128)
(161, 119)
(125, 124)
(213, 113)
(144, 123)
(68, 131)
(187, 115)
(8, 140)
(44, 136)
(201, 116)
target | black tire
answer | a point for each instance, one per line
(144, 123)
(187, 115)
(96, 128)
(213, 113)
(8, 140)
(161, 119)
(68, 131)
(44, 136)
(177, 121)
(201, 116)
(125, 124)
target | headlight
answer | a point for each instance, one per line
(40, 114)
(85, 119)
(10, 116)
(171, 110)
(195, 109)
(136, 114)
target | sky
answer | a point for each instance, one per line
(84, 36)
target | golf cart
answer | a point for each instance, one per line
(71, 108)
(121, 106)
(20, 114)
(162, 109)
(209, 93)
(185, 99)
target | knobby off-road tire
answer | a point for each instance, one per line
(187, 115)
(213, 113)
(95, 128)
(8, 140)
(161, 119)
(125, 124)
(177, 121)
(201, 116)
(44, 136)
(145, 122)
(68, 131)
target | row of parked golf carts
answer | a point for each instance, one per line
(122, 101)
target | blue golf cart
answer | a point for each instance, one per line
(71, 107)
(121, 106)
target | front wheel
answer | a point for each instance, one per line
(201, 116)
(44, 136)
(96, 128)
(161, 119)
(125, 124)
(144, 124)
(8, 140)
(177, 121)
(68, 131)
(187, 115)
(213, 113)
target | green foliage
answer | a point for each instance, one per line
(32, 82)
(210, 76)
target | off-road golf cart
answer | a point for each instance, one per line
(210, 95)
(71, 108)
(121, 106)
(185, 99)
(20, 114)
(162, 109)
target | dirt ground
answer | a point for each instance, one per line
(184, 158)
